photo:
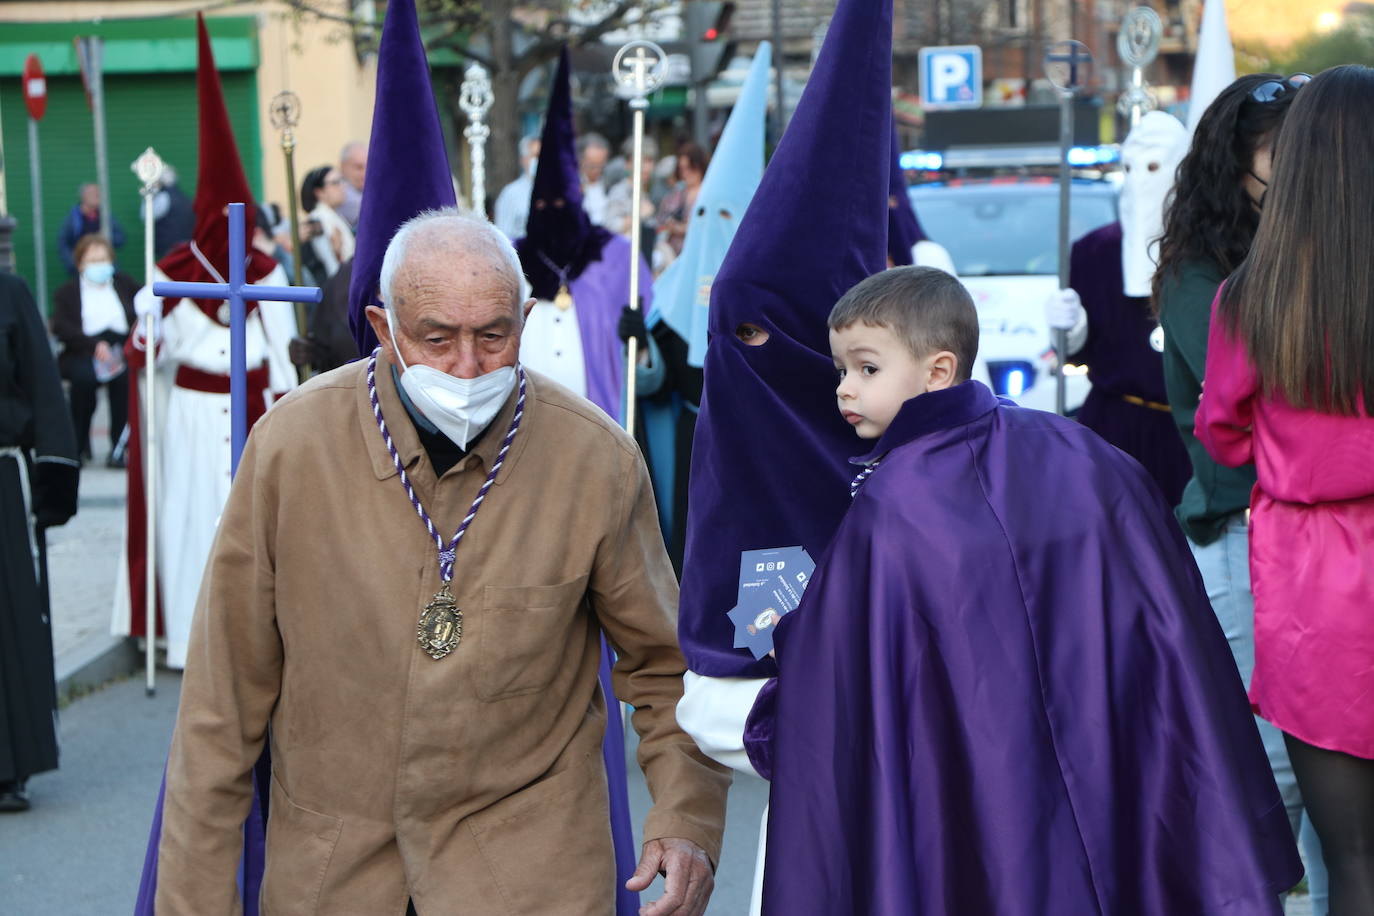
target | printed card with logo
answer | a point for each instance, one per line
(771, 584)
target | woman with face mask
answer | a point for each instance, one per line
(1209, 224)
(91, 317)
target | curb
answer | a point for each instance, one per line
(95, 662)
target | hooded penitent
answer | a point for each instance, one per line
(1214, 68)
(683, 291)
(220, 181)
(903, 228)
(563, 252)
(1150, 156)
(560, 240)
(409, 171)
(770, 463)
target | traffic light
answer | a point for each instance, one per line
(707, 23)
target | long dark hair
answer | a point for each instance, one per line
(1209, 216)
(1302, 302)
(314, 180)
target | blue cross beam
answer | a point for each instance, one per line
(233, 291)
(1075, 54)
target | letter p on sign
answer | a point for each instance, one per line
(952, 77)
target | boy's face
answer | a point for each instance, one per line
(878, 374)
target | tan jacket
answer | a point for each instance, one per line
(474, 783)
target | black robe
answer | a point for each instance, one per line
(38, 481)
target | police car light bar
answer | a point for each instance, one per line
(972, 157)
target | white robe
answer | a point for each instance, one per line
(713, 712)
(193, 465)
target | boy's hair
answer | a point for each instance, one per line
(929, 309)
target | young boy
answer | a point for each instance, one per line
(1004, 691)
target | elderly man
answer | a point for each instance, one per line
(431, 698)
(84, 219)
(593, 152)
(513, 203)
(353, 168)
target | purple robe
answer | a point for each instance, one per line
(600, 292)
(1122, 364)
(1005, 692)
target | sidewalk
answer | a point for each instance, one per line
(83, 562)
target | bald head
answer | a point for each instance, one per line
(450, 284)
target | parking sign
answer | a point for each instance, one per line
(952, 77)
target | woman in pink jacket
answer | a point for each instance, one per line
(1289, 386)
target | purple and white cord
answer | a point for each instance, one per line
(863, 475)
(449, 551)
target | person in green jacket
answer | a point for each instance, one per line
(1209, 223)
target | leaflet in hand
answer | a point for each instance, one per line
(771, 584)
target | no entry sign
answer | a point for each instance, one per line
(35, 88)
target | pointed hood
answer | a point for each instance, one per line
(220, 181)
(769, 465)
(560, 240)
(903, 227)
(1214, 68)
(682, 294)
(408, 170)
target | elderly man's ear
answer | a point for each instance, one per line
(527, 308)
(377, 318)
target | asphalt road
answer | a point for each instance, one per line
(79, 851)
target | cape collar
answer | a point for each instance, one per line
(932, 412)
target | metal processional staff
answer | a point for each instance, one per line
(639, 68)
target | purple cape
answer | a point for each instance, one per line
(1005, 692)
(768, 460)
(1121, 364)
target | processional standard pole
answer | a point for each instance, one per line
(1067, 64)
(1137, 44)
(285, 113)
(639, 68)
(476, 99)
(149, 168)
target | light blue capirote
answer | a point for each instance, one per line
(683, 292)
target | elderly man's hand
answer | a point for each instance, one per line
(688, 877)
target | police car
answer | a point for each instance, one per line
(1002, 234)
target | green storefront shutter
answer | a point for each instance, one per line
(141, 110)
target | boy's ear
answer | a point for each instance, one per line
(941, 371)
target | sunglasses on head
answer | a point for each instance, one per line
(1273, 90)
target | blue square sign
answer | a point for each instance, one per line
(952, 77)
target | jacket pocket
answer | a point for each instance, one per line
(563, 819)
(523, 634)
(300, 843)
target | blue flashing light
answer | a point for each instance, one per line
(1088, 156)
(922, 160)
(1011, 378)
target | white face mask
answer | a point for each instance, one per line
(460, 407)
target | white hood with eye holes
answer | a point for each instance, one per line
(1150, 156)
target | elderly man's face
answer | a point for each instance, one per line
(90, 196)
(594, 162)
(455, 311)
(354, 166)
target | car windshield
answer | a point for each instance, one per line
(1011, 232)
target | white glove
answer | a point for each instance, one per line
(144, 301)
(1064, 310)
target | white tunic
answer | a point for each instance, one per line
(552, 345)
(194, 448)
(713, 712)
